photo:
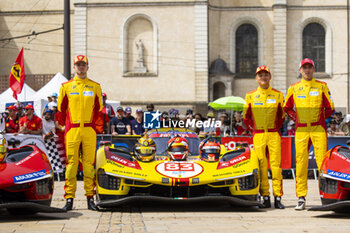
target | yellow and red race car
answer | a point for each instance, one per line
(122, 179)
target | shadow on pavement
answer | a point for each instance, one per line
(334, 215)
(193, 207)
(7, 217)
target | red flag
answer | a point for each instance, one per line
(16, 79)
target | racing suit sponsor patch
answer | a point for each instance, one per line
(88, 93)
(271, 101)
(301, 96)
(258, 103)
(313, 93)
(74, 93)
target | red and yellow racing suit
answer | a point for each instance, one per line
(264, 115)
(80, 102)
(308, 104)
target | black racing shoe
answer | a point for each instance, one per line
(69, 205)
(266, 202)
(91, 204)
(278, 203)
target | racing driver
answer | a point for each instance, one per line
(264, 115)
(80, 102)
(308, 103)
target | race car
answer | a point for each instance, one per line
(26, 179)
(121, 177)
(334, 181)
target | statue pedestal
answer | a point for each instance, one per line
(140, 69)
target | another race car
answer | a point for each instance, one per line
(26, 179)
(167, 175)
(334, 181)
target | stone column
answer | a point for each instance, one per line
(280, 45)
(80, 28)
(201, 52)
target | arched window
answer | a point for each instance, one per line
(314, 45)
(246, 49)
(219, 90)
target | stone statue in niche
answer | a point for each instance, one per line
(140, 68)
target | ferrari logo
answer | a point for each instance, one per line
(177, 139)
(16, 71)
(145, 143)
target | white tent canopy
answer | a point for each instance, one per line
(26, 95)
(52, 86)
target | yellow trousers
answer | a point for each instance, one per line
(303, 135)
(273, 142)
(86, 138)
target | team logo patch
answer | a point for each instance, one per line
(313, 93)
(301, 96)
(16, 72)
(271, 101)
(88, 93)
(258, 103)
(151, 120)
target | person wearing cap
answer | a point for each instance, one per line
(29, 123)
(119, 124)
(51, 98)
(80, 102)
(107, 108)
(333, 130)
(128, 115)
(345, 125)
(209, 129)
(308, 103)
(48, 129)
(137, 124)
(12, 121)
(264, 116)
(150, 107)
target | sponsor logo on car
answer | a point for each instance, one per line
(29, 176)
(179, 169)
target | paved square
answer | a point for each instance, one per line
(181, 218)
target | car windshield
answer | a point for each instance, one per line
(161, 143)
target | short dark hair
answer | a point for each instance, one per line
(150, 106)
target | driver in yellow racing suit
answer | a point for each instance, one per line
(264, 115)
(80, 102)
(308, 103)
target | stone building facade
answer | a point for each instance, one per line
(189, 51)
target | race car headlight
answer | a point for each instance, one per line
(107, 181)
(328, 185)
(248, 182)
(45, 186)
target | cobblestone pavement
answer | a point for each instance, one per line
(197, 218)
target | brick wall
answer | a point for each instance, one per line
(35, 81)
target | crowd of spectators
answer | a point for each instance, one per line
(20, 119)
